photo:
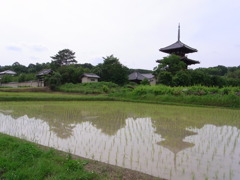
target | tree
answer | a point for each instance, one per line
(112, 70)
(182, 78)
(165, 77)
(71, 73)
(168, 68)
(64, 57)
(234, 74)
(171, 64)
(18, 68)
(54, 81)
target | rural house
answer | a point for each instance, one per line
(89, 77)
(138, 77)
(41, 76)
(7, 72)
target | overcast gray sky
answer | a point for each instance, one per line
(132, 30)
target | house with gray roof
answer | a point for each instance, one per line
(89, 77)
(138, 77)
(8, 72)
(42, 75)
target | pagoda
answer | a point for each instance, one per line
(180, 49)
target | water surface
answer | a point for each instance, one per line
(171, 142)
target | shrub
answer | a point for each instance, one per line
(145, 82)
(89, 88)
(105, 89)
(54, 81)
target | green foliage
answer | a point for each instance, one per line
(199, 78)
(89, 88)
(105, 89)
(171, 64)
(54, 81)
(182, 78)
(23, 160)
(173, 72)
(64, 57)
(191, 90)
(165, 77)
(21, 78)
(18, 68)
(214, 71)
(9, 78)
(112, 71)
(200, 95)
(234, 74)
(145, 82)
(26, 77)
(71, 74)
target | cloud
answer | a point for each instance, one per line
(37, 48)
(14, 48)
(28, 47)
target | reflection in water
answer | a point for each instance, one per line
(165, 141)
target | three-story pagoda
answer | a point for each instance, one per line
(180, 49)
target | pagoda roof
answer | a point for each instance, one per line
(184, 59)
(178, 47)
(189, 61)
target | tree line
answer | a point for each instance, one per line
(171, 71)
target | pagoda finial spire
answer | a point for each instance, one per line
(179, 32)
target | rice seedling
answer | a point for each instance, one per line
(230, 174)
(193, 176)
(170, 173)
(216, 175)
(183, 171)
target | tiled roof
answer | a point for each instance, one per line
(178, 46)
(139, 76)
(90, 75)
(44, 72)
(8, 72)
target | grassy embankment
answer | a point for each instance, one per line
(21, 160)
(194, 95)
(24, 160)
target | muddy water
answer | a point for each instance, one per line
(172, 142)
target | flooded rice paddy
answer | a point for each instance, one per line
(172, 142)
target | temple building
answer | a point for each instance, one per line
(180, 49)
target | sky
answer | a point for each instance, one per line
(31, 31)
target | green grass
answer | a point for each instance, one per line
(48, 96)
(89, 88)
(103, 91)
(20, 160)
(194, 95)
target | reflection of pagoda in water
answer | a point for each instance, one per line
(180, 49)
(174, 136)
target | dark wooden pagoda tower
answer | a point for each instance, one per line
(180, 49)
